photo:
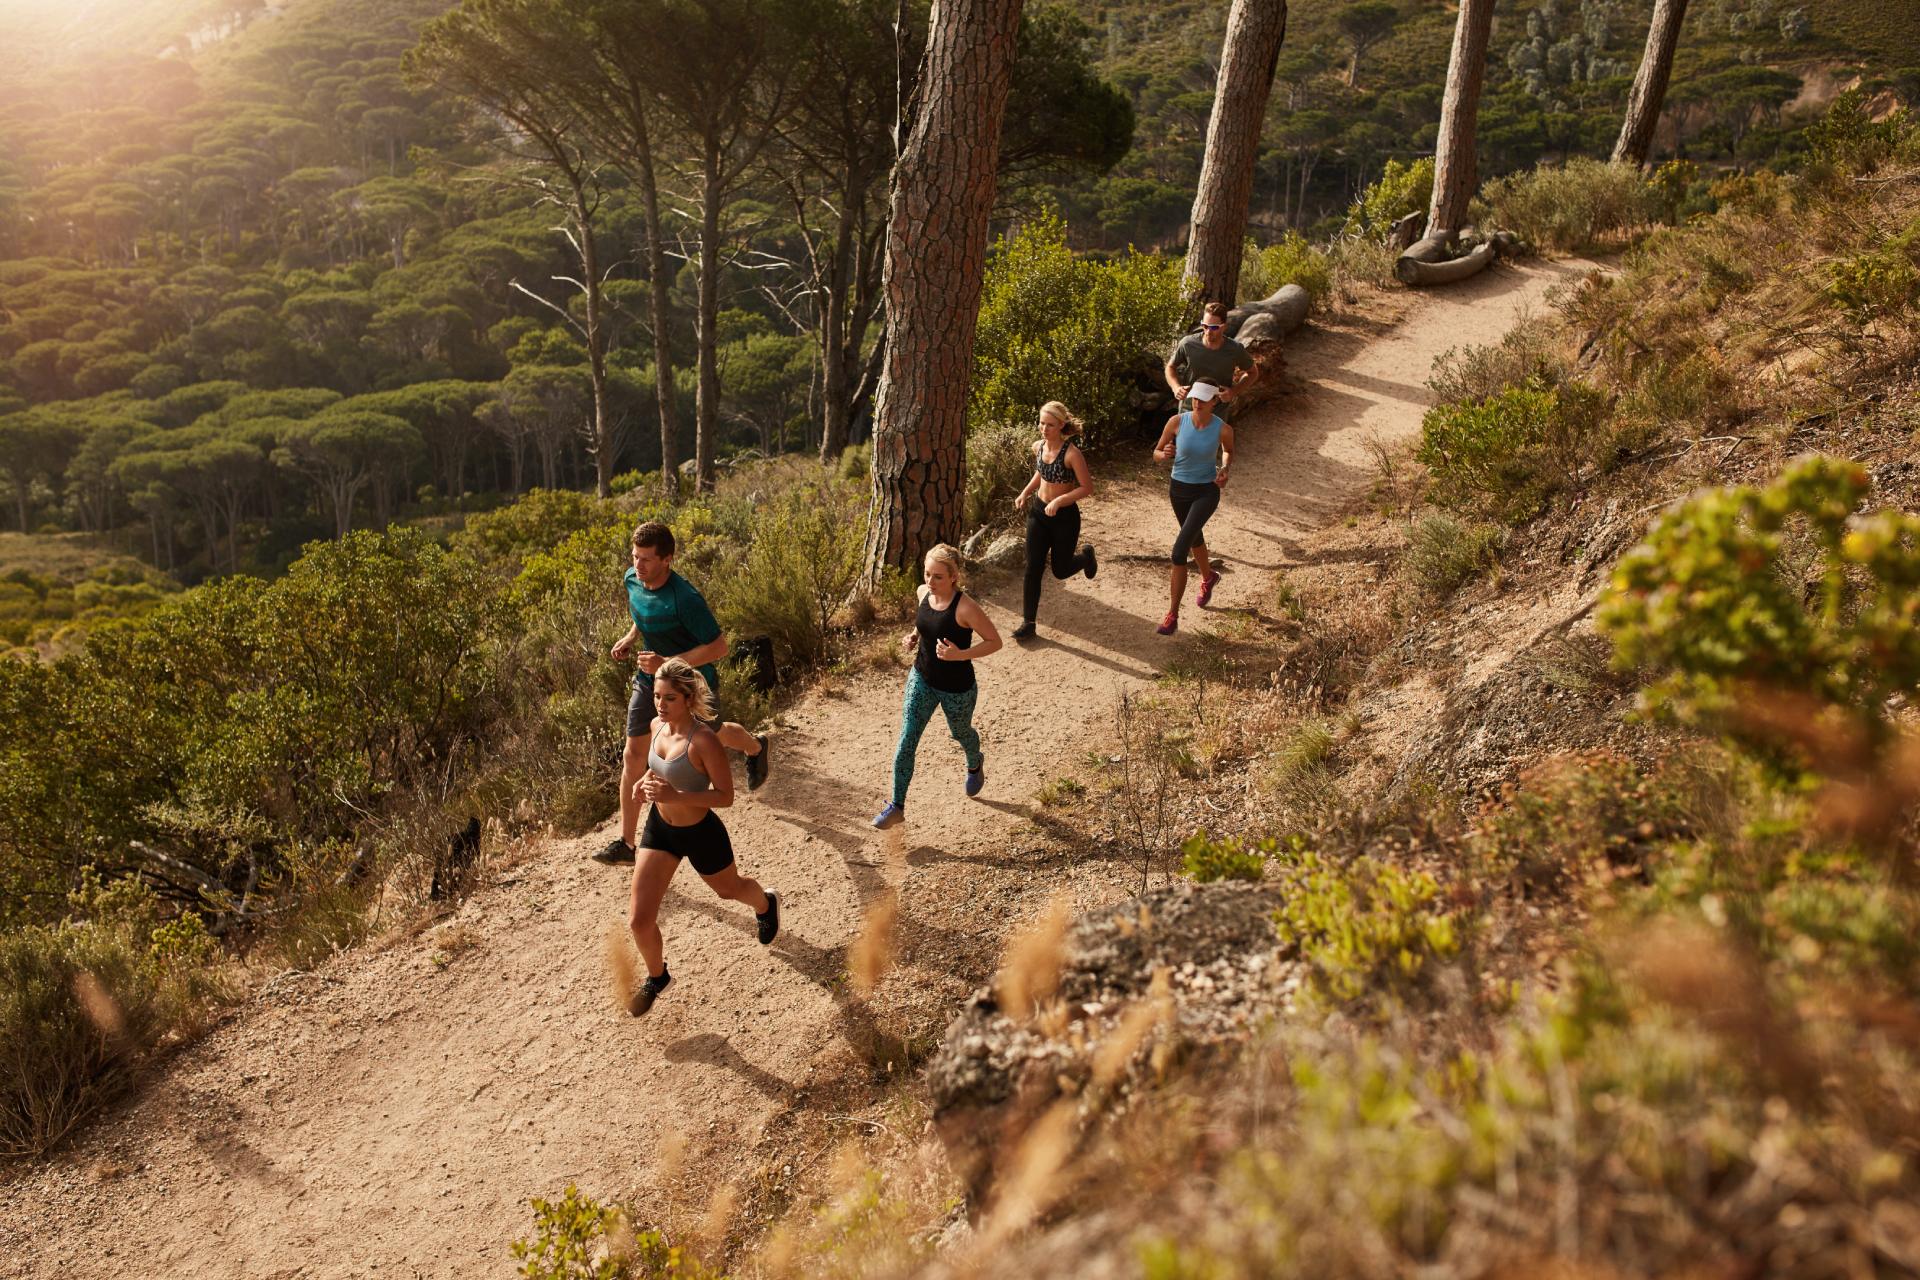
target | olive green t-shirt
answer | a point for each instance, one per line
(1195, 361)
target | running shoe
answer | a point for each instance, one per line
(770, 919)
(1206, 588)
(1025, 631)
(647, 992)
(757, 764)
(891, 816)
(1093, 562)
(1169, 624)
(976, 779)
(618, 853)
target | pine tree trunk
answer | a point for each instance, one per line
(835, 392)
(1455, 166)
(706, 398)
(936, 258)
(1650, 83)
(1255, 29)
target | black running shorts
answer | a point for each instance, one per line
(705, 843)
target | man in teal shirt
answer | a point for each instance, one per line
(672, 620)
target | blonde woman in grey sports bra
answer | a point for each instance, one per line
(687, 779)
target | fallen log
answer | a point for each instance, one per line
(1286, 306)
(1426, 263)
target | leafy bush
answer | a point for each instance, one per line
(1714, 600)
(1443, 553)
(1570, 208)
(1365, 927)
(1404, 187)
(999, 461)
(1206, 859)
(1294, 260)
(802, 566)
(1055, 326)
(1879, 284)
(1505, 456)
(1529, 352)
(578, 1238)
(1572, 814)
(83, 1002)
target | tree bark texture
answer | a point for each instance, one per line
(1255, 30)
(1650, 83)
(936, 258)
(706, 397)
(1456, 166)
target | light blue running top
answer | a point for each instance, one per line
(679, 772)
(1196, 450)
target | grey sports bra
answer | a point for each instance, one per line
(679, 772)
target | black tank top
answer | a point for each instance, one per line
(942, 624)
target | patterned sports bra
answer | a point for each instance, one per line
(1057, 471)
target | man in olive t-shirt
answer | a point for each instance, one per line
(1209, 356)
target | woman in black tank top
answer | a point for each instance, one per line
(944, 648)
(1051, 502)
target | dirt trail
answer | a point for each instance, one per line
(390, 1113)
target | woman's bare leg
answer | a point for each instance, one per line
(652, 870)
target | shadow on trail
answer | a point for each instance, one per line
(709, 1049)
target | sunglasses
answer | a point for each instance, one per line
(1211, 327)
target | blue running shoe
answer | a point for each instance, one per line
(976, 779)
(891, 816)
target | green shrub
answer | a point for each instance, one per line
(1443, 553)
(802, 566)
(82, 1003)
(1710, 601)
(1365, 927)
(1404, 187)
(999, 462)
(1570, 208)
(1527, 353)
(1295, 261)
(1206, 859)
(578, 1238)
(1054, 326)
(1505, 456)
(1878, 284)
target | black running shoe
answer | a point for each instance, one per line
(757, 764)
(1093, 561)
(618, 853)
(770, 921)
(1025, 631)
(647, 992)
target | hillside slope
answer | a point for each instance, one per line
(391, 1112)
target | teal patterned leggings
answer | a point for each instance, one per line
(915, 711)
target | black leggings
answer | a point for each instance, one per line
(1193, 505)
(1055, 534)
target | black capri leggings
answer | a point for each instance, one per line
(1057, 536)
(1193, 505)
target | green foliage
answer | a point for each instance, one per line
(1443, 553)
(1851, 141)
(1206, 859)
(1503, 457)
(1404, 187)
(1879, 284)
(1292, 261)
(1365, 928)
(578, 1238)
(801, 568)
(1572, 208)
(1528, 353)
(1575, 815)
(82, 1003)
(1058, 326)
(999, 464)
(1785, 588)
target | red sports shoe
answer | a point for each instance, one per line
(1206, 589)
(1169, 624)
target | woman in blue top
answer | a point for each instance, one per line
(1200, 446)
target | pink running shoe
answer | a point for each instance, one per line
(1169, 624)
(1206, 588)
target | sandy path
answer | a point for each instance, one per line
(390, 1113)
